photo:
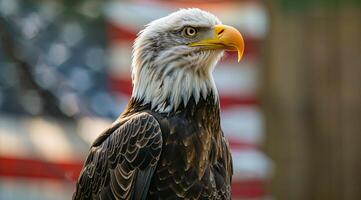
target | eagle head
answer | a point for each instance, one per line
(174, 56)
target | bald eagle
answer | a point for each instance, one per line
(168, 143)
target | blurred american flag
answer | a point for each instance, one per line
(40, 148)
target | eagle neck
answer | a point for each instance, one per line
(166, 91)
(191, 108)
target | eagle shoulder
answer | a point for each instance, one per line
(122, 160)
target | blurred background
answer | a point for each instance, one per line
(291, 109)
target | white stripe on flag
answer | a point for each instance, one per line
(243, 123)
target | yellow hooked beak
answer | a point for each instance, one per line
(224, 37)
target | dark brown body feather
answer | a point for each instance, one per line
(184, 156)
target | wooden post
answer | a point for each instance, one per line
(312, 100)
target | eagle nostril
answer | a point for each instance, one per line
(220, 32)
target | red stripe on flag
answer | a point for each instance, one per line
(248, 188)
(118, 33)
(202, 4)
(38, 169)
(236, 144)
(123, 86)
(227, 101)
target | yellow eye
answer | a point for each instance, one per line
(190, 31)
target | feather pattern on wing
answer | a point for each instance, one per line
(122, 161)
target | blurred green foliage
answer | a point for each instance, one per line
(306, 5)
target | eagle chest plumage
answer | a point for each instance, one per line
(195, 162)
(148, 155)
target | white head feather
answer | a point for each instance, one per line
(165, 70)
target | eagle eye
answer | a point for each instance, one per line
(190, 31)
